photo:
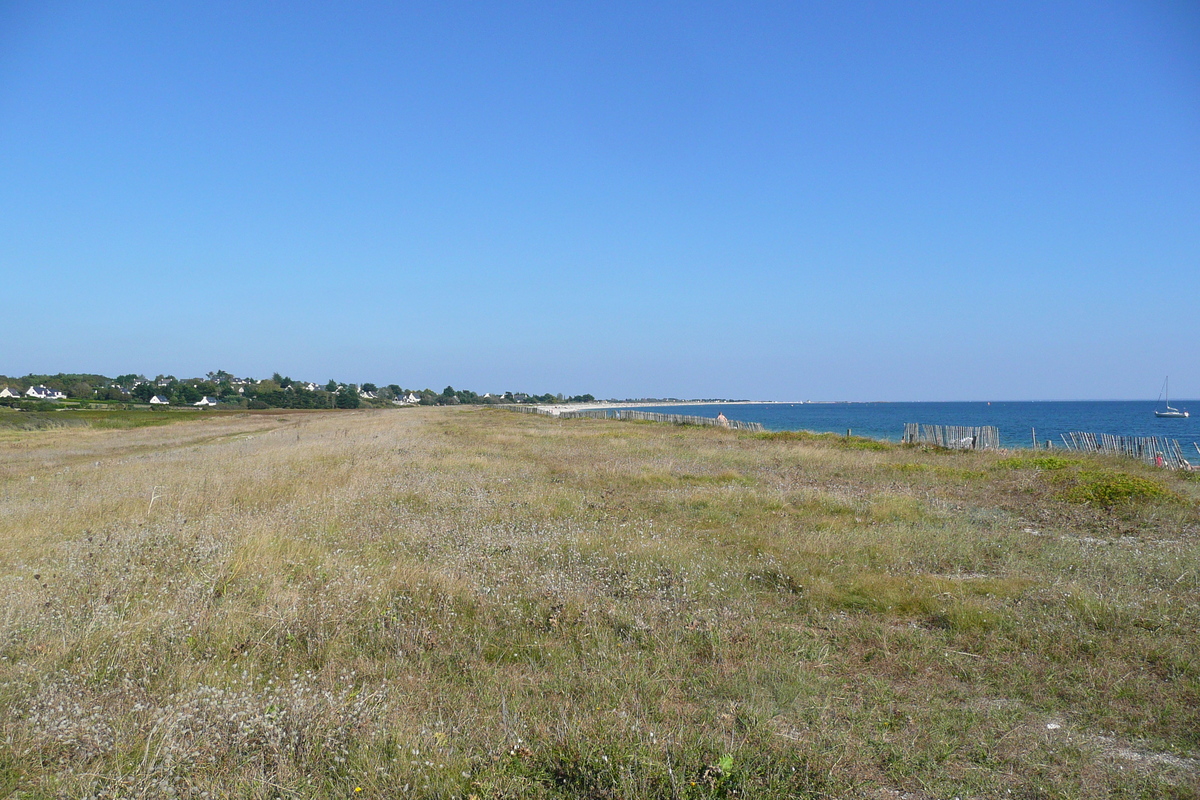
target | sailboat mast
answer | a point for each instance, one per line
(1168, 411)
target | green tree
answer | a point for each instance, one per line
(347, 398)
(185, 393)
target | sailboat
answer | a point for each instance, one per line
(1171, 413)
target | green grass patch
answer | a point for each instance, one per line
(821, 507)
(663, 479)
(39, 421)
(1109, 488)
(895, 508)
(828, 439)
(1037, 462)
(936, 470)
(912, 467)
(134, 419)
(967, 615)
(103, 420)
(963, 603)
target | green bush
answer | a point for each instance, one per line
(36, 405)
(1109, 489)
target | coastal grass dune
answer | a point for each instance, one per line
(470, 603)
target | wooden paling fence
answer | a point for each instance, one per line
(647, 416)
(525, 409)
(1157, 450)
(956, 437)
(651, 416)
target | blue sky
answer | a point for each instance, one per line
(877, 201)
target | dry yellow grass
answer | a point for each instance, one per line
(467, 602)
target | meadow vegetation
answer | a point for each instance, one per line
(471, 603)
(53, 418)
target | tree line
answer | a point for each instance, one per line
(278, 391)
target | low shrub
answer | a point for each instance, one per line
(1108, 489)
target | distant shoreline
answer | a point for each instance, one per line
(558, 408)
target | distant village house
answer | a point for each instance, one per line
(42, 393)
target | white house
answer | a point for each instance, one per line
(412, 399)
(206, 401)
(7, 392)
(159, 400)
(42, 393)
(367, 395)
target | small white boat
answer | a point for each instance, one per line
(1169, 413)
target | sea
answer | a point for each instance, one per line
(1017, 420)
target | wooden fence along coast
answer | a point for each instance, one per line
(1157, 450)
(647, 416)
(955, 437)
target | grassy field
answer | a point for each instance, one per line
(472, 603)
(12, 420)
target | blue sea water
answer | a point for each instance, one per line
(1016, 420)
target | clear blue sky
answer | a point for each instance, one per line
(904, 201)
